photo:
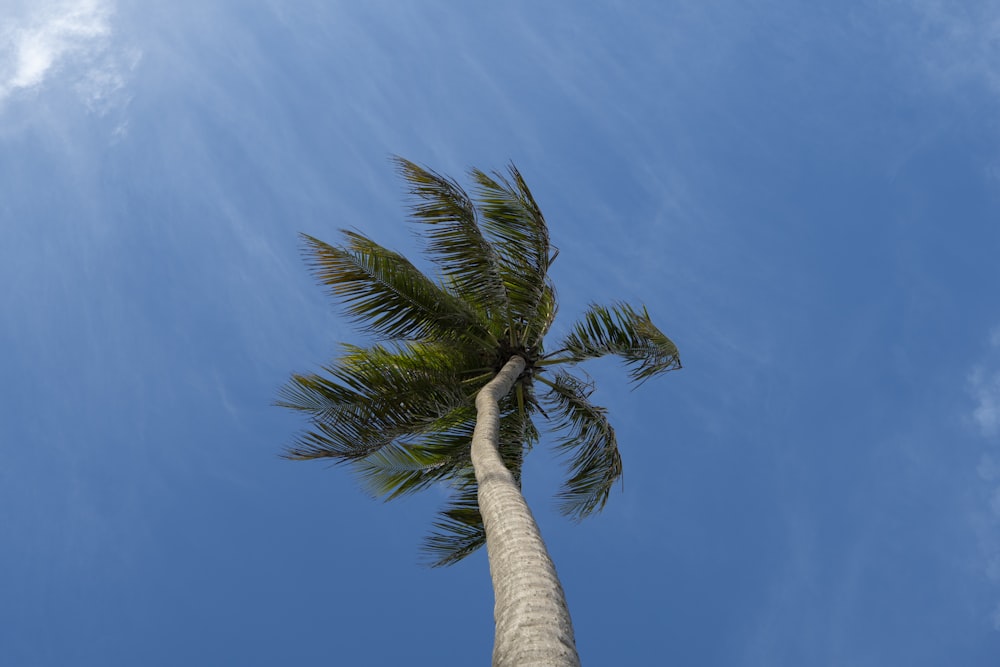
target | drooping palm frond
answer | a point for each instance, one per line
(518, 432)
(412, 464)
(517, 231)
(376, 394)
(454, 240)
(623, 331)
(398, 375)
(589, 444)
(459, 529)
(339, 441)
(389, 297)
(386, 372)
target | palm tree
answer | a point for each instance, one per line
(449, 390)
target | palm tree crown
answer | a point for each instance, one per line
(401, 411)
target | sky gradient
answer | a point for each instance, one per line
(807, 200)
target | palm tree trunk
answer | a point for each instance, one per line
(533, 626)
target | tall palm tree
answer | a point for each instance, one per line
(449, 391)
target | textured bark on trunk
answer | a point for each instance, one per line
(533, 626)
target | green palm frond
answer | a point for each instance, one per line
(518, 433)
(389, 297)
(402, 412)
(454, 239)
(517, 231)
(395, 375)
(375, 394)
(589, 445)
(340, 441)
(545, 315)
(459, 530)
(623, 331)
(317, 395)
(409, 465)
(387, 370)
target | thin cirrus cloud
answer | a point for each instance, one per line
(984, 387)
(48, 39)
(987, 411)
(956, 47)
(984, 384)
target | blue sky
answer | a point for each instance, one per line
(805, 196)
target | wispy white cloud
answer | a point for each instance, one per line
(68, 42)
(984, 387)
(955, 43)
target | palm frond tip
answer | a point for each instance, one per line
(386, 296)
(622, 331)
(589, 443)
(454, 239)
